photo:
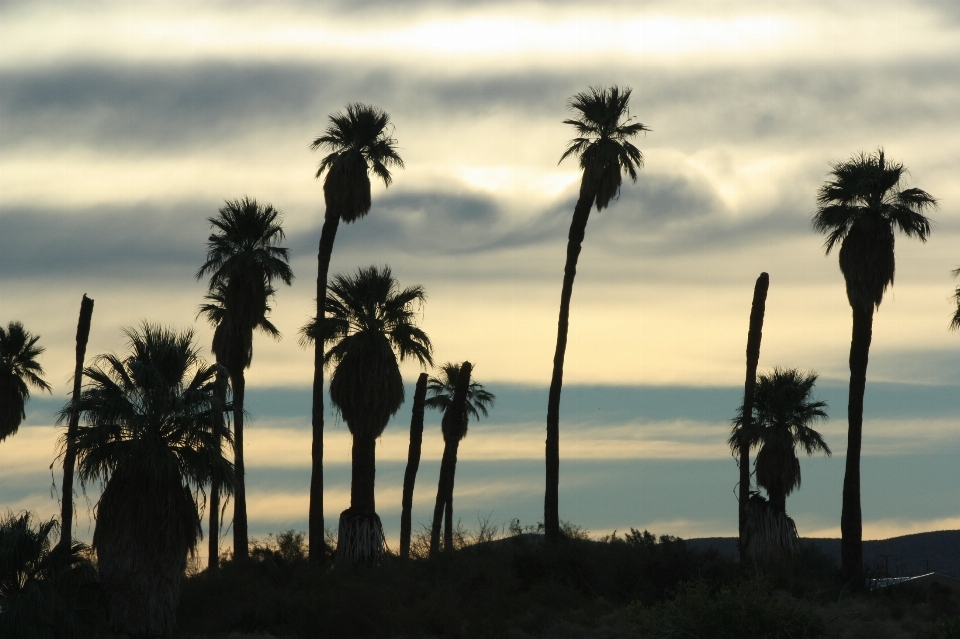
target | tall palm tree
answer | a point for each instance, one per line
(19, 370)
(783, 410)
(858, 208)
(243, 259)
(149, 437)
(604, 149)
(458, 398)
(358, 142)
(369, 323)
(229, 358)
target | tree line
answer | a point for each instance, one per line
(157, 427)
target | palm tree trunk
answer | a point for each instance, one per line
(413, 464)
(454, 426)
(754, 335)
(213, 539)
(240, 541)
(448, 505)
(70, 454)
(442, 491)
(578, 229)
(851, 518)
(316, 547)
(363, 474)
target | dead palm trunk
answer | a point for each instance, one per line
(220, 400)
(316, 544)
(413, 463)
(240, 540)
(578, 229)
(70, 454)
(454, 429)
(851, 517)
(754, 335)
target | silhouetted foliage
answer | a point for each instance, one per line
(19, 370)
(955, 320)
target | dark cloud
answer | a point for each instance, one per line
(162, 108)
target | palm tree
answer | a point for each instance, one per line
(413, 463)
(149, 437)
(455, 395)
(858, 208)
(19, 370)
(243, 259)
(782, 413)
(955, 321)
(229, 358)
(358, 142)
(370, 323)
(604, 148)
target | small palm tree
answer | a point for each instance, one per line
(358, 141)
(457, 397)
(19, 370)
(148, 435)
(782, 413)
(604, 149)
(370, 323)
(858, 209)
(45, 591)
(243, 259)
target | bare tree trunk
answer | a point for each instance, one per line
(578, 229)
(413, 463)
(851, 517)
(241, 549)
(70, 454)
(754, 334)
(213, 540)
(316, 544)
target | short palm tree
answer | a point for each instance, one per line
(244, 258)
(604, 149)
(149, 437)
(358, 142)
(859, 208)
(370, 323)
(19, 370)
(782, 413)
(458, 398)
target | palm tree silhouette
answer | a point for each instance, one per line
(149, 437)
(858, 208)
(955, 321)
(604, 150)
(413, 463)
(369, 323)
(458, 398)
(782, 413)
(358, 141)
(19, 370)
(229, 357)
(243, 259)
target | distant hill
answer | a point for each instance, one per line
(908, 555)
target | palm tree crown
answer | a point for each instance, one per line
(442, 388)
(859, 208)
(215, 311)
(368, 319)
(19, 370)
(603, 146)
(357, 140)
(782, 414)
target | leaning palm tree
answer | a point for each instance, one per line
(358, 142)
(149, 437)
(19, 370)
(858, 209)
(370, 323)
(458, 398)
(604, 149)
(243, 259)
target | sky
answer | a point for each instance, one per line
(124, 127)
